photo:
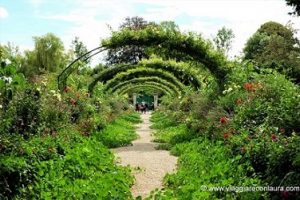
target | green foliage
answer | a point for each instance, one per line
(86, 171)
(151, 87)
(272, 101)
(182, 71)
(131, 53)
(179, 46)
(80, 49)
(10, 82)
(275, 46)
(66, 164)
(202, 163)
(143, 72)
(120, 132)
(155, 80)
(47, 56)
(223, 39)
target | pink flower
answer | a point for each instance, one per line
(274, 138)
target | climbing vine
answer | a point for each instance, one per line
(163, 89)
(157, 80)
(177, 45)
(183, 71)
(141, 72)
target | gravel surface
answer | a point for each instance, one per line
(150, 165)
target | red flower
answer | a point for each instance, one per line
(226, 136)
(223, 120)
(274, 138)
(249, 86)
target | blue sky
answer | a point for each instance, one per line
(20, 20)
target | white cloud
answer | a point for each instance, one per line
(3, 13)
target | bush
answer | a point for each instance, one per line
(120, 132)
(87, 171)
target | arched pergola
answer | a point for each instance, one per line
(179, 46)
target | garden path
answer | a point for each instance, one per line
(150, 165)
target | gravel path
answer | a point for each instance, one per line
(152, 164)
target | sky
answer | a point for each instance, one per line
(20, 20)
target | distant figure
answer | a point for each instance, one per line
(137, 107)
(141, 107)
(146, 108)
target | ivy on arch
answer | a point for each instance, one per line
(163, 87)
(147, 79)
(171, 44)
(178, 46)
(142, 87)
(140, 72)
(182, 71)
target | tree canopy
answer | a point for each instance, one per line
(275, 46)
(48, 55)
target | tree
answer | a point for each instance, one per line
(79, 49)
(296, 6)
(223, 39)
(47, 56)
(130, 54)
(274, 46)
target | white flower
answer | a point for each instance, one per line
(44, 83)
(6, 79)
(1, 106)
(7, 61)
(58, 96)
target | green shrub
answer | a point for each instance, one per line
(87, 171)
(120, 132)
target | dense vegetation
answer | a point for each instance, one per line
(249, 136)
(231, 122)
(55, 145)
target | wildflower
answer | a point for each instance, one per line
(7, 61)
(58, 96)
(44, 83)
(223, 120)
(1, 106)
(249, 86)
(6, 79)
(274, 138)
(226, 136)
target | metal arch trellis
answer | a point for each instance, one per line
(63, 76)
